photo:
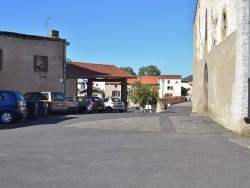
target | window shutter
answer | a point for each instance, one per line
(47, 64)
(1, 59)
(119, 93)
(35, 63)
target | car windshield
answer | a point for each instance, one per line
(70, 99)
(20, 97)
(97, 99)
(56, 95)
(116, 100)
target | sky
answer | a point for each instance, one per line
(124, 33)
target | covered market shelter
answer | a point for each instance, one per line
(99, 73)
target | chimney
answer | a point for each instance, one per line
(54, 34)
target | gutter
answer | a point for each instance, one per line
(247, 119)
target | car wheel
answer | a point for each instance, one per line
(109, 109)
(121, 111)
(7, 117)
(88, 111)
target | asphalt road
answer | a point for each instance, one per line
(120, 150)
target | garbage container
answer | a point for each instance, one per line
(42, 109)
(32, 109)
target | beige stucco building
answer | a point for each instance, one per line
(221, 62)
(32, 63)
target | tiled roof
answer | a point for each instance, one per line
(149, 79)
(169, 76)
(131, 80)
(89, 70)
(25, 36)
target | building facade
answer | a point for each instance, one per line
(221, 56)
(32, 63)
(170, 85)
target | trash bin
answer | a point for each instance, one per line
(32, 109)
(42, 109)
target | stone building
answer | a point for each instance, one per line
(221, 62)
(32, 63)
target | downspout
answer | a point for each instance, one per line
(64, 68)
(247, 119)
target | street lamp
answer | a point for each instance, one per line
(162, 81)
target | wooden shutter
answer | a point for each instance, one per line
(35, 63)
(1, 59)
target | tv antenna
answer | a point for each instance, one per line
(47, 25)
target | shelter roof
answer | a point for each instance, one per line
(89, 70)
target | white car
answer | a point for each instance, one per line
(114, 104)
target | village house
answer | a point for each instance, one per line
(221, 62)
(170, 85)
(32, 63)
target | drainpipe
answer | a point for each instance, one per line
(247, 119)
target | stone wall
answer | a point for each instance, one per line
(224, 92)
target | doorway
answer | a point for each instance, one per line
(205, 103)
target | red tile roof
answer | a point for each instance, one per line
(169, 76)
(149, 79)
(130, 81)
(88, 70)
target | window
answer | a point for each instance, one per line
(168, 81)
(128, 93)
(40, 63)
(170, 87)
(1, 59)
(206, 27)
(116, 93)
(224, 24)
(115, 86)
(176, 82)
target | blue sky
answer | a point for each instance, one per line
(124, 33)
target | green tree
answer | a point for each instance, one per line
(128, 69)
(143, 94)
(150, 70)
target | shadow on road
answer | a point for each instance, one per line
(53, 119)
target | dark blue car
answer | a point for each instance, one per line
(12, 106)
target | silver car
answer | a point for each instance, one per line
(114, 104)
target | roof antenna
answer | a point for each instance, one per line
(47, 25)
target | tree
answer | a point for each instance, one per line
(143, 94)
(150, 70)
(128, 69)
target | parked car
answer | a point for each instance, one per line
(134, 109)
(57, 101)
(91, 104)
(73, 105)
(114, 104)
(35, 96)
(12, 106)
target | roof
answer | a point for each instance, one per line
(95, 89)
(89, 70)
(25, 36)
(149, 79)
(169, 76)
(130, 81)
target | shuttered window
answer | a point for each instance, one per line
(1, 59)
(116, 93)
(40, 63)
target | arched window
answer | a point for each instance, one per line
(205, 103)
(224, 24)
(206, 26)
